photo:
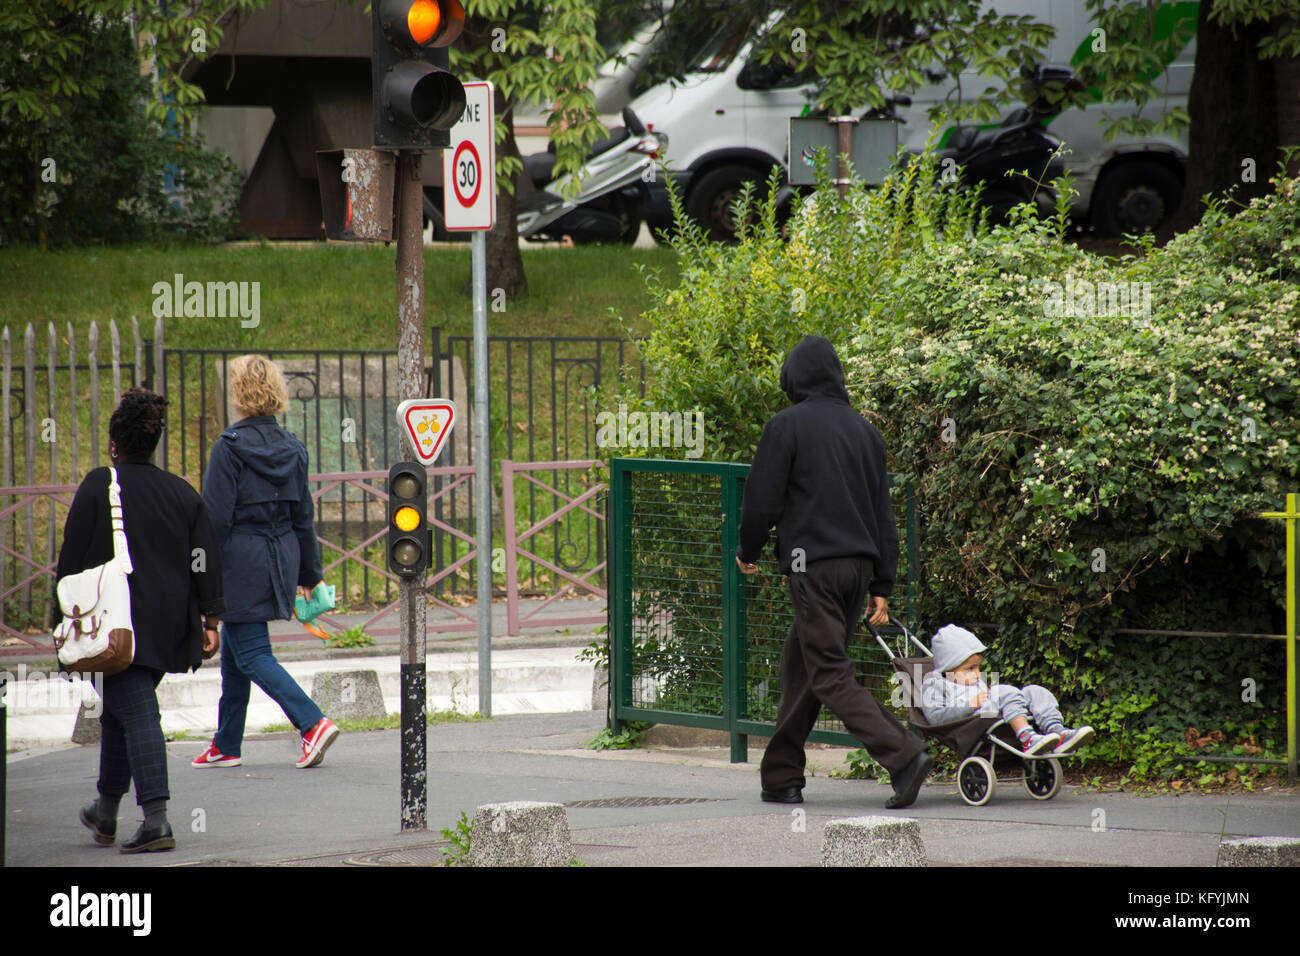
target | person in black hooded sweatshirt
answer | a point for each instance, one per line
(819, 476)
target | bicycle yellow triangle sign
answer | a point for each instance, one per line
(426, 422)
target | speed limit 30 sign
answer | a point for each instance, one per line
(469, 164)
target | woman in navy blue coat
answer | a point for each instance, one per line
(260, 506)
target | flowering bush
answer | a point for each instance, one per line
(1091, 438)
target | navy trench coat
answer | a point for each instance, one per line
(260, 507)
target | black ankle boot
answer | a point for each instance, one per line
(149, 839)
(104, 831)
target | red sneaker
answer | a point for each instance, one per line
(212, 757)
(316, 741)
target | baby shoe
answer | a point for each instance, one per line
(1036, 743)
(1072, 740)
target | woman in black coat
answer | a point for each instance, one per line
(256, 492)
(176, 579)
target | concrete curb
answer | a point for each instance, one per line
(43, 711)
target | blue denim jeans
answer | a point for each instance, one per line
(246, 657)
(1032, 701)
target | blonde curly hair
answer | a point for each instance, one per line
(257, 386)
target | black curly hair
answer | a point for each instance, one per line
(137, 424)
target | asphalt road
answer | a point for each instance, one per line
(347, 810)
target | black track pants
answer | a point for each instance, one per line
(816, 669)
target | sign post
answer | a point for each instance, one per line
(470, 205)
(1290, 515)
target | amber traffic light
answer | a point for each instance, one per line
(416, 99)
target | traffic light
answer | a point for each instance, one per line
(408, 536)
(416, 99)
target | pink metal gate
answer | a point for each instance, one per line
(518, 545)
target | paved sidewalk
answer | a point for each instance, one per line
(291, 642)
(43, 712)
(346, 810)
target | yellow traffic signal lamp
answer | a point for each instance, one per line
(409, 538)
(416, 99)
(423, 23)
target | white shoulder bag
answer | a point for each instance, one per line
(96, 634)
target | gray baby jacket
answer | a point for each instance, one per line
(944, 700)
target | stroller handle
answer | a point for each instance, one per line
(902, 627)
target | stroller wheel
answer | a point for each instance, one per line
(976, 780)
(1043, 778)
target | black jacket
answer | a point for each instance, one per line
(261, 509)
(165, 523)
(819, 474)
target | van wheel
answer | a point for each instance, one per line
(709, 203)
(1135, 197)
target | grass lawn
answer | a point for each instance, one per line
(318, 295)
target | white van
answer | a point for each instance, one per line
(728, 123)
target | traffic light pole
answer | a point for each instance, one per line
(410, 363)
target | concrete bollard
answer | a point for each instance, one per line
(1260, 851)
(520, 833)
(600, 688)
(352, 695)
(87, 729)
(873, 841)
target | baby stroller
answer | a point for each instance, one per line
(985, 745)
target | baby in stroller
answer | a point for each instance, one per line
(954, 690)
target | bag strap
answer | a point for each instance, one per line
(120, 552)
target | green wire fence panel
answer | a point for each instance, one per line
(676, 645)
(694, 641)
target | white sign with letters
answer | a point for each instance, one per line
(469, 164)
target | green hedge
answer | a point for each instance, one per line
(1043, 442)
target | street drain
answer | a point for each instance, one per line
(618, 803)
(426, 855)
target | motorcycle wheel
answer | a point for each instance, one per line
(631, 228)
(1136, 197)
(628, 214)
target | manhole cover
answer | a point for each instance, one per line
(428, 855)
(616, 803)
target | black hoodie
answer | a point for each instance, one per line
(819, 474)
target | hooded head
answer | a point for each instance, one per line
(951, 645)
(812, 369)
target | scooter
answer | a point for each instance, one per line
(986, 156)
(996, 157)
(607, 206)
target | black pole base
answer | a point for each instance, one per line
(415, 730)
